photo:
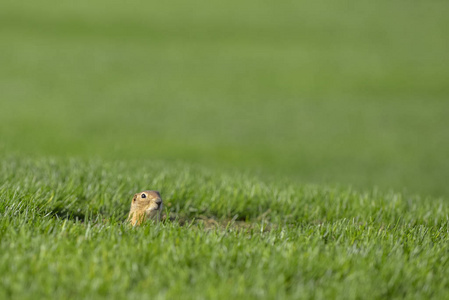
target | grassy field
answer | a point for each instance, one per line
(302, 149)
(62, 235)
(320, 92)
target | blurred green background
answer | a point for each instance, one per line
(336, 92)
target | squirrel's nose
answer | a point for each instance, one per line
(158, 202)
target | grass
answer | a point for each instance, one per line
(63, 235)
(313, 91)
(301, 148)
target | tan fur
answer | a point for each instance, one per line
(146, 208)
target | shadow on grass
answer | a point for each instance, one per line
(205, 222)
(86, 215)
(75, 215)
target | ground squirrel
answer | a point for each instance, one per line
(145, 205)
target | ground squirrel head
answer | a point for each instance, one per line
(145, 205)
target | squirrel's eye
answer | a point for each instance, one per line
(143, 196)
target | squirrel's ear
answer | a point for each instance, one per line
(135, 198)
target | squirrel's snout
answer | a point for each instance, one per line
(159, 203)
